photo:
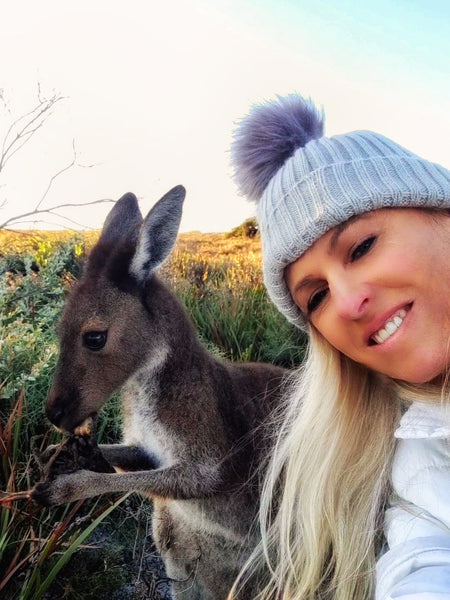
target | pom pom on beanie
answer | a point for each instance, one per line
(306, 183)
(268, 137)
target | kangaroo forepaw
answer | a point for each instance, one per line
(66, 488)
(51, 493)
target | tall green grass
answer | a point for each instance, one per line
(35, 543)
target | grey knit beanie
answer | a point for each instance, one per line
(306, 183)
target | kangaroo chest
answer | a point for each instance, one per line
(141, 425)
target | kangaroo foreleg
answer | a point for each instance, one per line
(180, 481)
(127, 458)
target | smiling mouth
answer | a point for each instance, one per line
(390, 327)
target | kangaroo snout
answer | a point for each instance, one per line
(55, 411)
(63, 411)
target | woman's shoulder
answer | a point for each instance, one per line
(424, 420)
(421, 466)
(423, 446)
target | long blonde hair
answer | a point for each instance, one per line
(326, 483)
(328, 478)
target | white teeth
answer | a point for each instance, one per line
(381, 336)
(390, 327)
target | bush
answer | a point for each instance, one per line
(249, 229)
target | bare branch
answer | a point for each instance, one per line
(56, 175)
(54, 224)
(26, 126)
(50, 210)
(20, 142)
(55, 214)
(17, 136)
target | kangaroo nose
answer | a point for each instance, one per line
(55, 410)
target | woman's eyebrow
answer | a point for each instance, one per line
(339, 229)
(308, 280)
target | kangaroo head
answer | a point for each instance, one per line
(106, 333)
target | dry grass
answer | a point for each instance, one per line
(211, 244)
(216, 259)
(20, 242)
(198, 257)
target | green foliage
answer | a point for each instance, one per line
(234, 316)
(249, 228)
(243, 325)
(35, 543)
(30, 303)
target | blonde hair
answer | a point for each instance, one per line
(326, 482)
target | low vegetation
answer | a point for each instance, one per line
(218, 278)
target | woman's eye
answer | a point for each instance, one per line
(362, 248)
(316, 300)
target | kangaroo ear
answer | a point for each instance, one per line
(123, 220)
(158, 234)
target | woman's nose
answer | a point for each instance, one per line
(351, 299)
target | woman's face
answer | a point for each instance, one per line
(378, 289)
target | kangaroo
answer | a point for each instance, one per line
(192, 424)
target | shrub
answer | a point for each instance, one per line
(249, 229)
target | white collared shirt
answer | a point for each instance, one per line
(416, 565)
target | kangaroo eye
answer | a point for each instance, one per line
(94, 340)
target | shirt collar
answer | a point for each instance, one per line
(425, 420)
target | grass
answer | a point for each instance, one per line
(217, 277)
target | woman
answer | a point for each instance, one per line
(356, 236)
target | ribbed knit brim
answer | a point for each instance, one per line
(328, 181)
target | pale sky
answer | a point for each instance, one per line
(154, 88)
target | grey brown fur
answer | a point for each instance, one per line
(192, 436)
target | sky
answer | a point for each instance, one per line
(153, 91)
